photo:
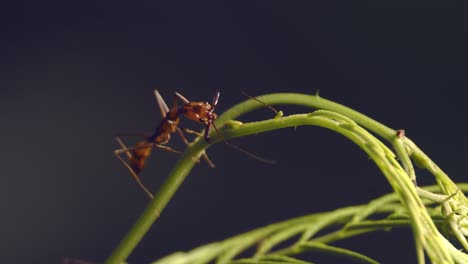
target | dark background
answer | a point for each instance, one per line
(72, 74)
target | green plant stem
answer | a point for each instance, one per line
(309, 101)
(194, 151)
(224, 253)
(313, 246)
(156, 206)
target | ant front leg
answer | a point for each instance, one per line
(206, 136)
(211, 117)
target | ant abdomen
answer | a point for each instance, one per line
(139, 156)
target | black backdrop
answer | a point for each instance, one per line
(74, 74)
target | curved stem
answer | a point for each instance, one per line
(310, 101)
(195, 150)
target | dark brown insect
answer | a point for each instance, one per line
(202, 112)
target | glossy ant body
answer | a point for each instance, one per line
(201, 112)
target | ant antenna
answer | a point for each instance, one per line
(265, 104)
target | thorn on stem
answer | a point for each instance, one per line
(400, 133)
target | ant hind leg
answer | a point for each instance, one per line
(130, 169)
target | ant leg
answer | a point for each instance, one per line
(253, 156)
(206, 136)
(126, 150)
(166, 148)
(190, 131)
(184, 139)
(182, 98)
(181, 131)
(212, 116)
(134, 175)
(163, 108)
(118, 138)
(132, 172)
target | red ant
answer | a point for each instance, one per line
(201, 112)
